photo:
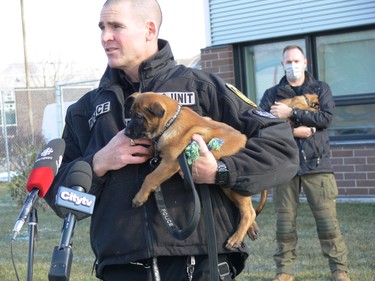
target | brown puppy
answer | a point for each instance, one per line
(171, 126)
(308, 102)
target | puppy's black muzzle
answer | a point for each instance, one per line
(135, 129)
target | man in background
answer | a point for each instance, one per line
(315, 174)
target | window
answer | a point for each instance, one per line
(353, 122)
(346, 61)
(263, 66)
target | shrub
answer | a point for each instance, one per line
(24, 155)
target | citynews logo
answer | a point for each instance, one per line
(46, 152)
(74, 198)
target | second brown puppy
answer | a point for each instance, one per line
(308, 102)
(161, 118)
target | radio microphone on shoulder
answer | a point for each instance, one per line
(40, 179)
(75, 203)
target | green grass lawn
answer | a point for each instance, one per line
(357, 222)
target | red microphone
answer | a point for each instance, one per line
(40, 179)
(46, 167)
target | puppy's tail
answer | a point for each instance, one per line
(262, 202)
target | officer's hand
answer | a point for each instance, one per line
(119, 152)
(205, 167)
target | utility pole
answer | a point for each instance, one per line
(26, 64)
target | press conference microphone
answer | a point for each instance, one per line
(75, 204)
(40, 179)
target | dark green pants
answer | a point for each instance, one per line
(321, 192)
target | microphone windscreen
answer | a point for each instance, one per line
(46, 166)
(80, 175)
(40, 178)
(51, 156)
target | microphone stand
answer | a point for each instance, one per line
(33, 221)
(62, 255)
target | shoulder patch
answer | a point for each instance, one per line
(240, 94)
(99, 110)
(264, 114)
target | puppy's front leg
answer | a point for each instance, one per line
(162, 173)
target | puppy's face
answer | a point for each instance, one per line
(147, 117)
(305, 102)
(313, 101)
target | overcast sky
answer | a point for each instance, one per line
(68, 29)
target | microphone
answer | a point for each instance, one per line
(75, 204)
(74, 199)
(40, 179)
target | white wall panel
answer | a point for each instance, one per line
(234, 21)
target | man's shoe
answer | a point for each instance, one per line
(284, 277)
(340, 275)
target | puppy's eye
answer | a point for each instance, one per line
(139, 116)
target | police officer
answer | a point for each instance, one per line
(134, 243)
(315, 174)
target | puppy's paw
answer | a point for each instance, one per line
(234, 242)
(253, 231)
(253, 235)
(137, 201)
(233, 246)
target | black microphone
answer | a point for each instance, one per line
(75, 204)
(40, 179)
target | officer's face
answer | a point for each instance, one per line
(123, 36)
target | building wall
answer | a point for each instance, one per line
(219, 60)
(354, 168)
(235, 21)
(354, 165)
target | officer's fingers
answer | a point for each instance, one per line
(202, 145)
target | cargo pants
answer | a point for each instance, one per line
(321, 192)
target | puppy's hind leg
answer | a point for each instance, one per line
(254, 230)
(247, 217)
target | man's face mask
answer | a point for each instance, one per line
(294, 71)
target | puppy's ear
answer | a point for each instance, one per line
(156, 109)
(129, 101)
(131, 98)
